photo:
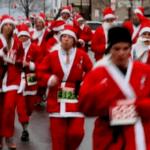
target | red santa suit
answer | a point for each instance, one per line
(86, 32)
(11, 65)
(99, 40)
(39, 37)
(55, 39)
(33, 55)
(140, 50)
(65, 120)
(110, 85)
(134, 30)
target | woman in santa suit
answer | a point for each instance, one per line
(119, 97)
(61, 70)
(33, 56)
(141, 50)
(58, 26)
(11, 58)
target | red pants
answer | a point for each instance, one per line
(1, 112)
(11, 98)
(66, 133)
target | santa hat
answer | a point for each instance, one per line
(144, 28)
(108, 13)
(23, 30)
(41, 17)
(6, 19)
(116, 35)
(33, 16)
(27, 21)
(66, 10)
(139, 10)
(79, 18)
(58, 25)
(69, 29)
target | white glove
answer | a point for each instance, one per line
(22, 83)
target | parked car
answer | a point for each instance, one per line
(94, 25)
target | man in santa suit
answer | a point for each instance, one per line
(54, 39)
(119, 97)
(86, 32)
(100, 37)
(11, 58)
(32, 18)
(38, 36)
(33, 56)
(29, 25)
(67, 17)
(141, 50)
(62, 70)
(134, 26)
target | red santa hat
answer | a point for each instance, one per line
(69, 29)
(27, 21)
(145, 28)
(108, 13)
(66, 10)
(58, 25)
(139, 10)
(41, 17)
(23, 30)
(33, 16)
(79, 18)
(6, 19)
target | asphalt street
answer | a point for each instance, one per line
(40, 134)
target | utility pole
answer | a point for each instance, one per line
(9, 7)
(67, 2)
(44, 7)
(81, 6)
(90, 10)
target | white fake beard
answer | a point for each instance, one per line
(25, 44)
(107, 25)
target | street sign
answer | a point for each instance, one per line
(129, 4)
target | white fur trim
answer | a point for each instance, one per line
(31, 66)
(138, 11)
(108, 16)
(41, 19)
(146, 29)
(2, 54)
(69, 32)
(29, 93)
(50, 80)
(65, 11)
(7, 21)
(80, 19)
(55, 47)
(67, 114)
(23, 33)
(59, 28)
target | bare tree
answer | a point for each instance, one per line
(28, 6)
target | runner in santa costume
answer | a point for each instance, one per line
(38, 36)
(67, 17)
(29, 25)
(11, 53)
(58, 26)
(61, 70)
(33, 56)
(141, 50)
(32, 18)
(86, 32)
(119, 97)
(134, 26)
(100, 37)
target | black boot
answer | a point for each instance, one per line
(25, 136)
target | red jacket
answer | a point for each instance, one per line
(53, 65)
(40, 40)
(33, 55)
(98, 45)
(12, 77)
(106, 84)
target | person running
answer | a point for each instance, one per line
(62, 71)
(117, 92)
(11, 57)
